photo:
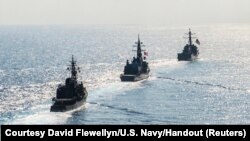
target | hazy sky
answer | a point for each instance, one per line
(124, 11)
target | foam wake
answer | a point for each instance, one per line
(203, 84)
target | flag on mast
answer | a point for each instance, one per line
(197, 41)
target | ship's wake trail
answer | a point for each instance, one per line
(204, 84)
(129, 111)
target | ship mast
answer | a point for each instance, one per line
(139, 54)
(190, 37)
(73, 68)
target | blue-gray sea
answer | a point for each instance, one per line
(215, 89)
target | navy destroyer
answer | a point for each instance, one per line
(190, 51)
(70, 95)
(138, 69)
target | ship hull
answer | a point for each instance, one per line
(186, 57)
(65, 105)
(133, 78)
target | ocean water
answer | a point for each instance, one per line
(212, 90)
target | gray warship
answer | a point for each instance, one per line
(138, 69)
(72, 94)
(190, 51)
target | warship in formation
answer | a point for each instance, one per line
(138, 69)
(72, 94)
(190, 51)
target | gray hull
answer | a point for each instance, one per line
(186, 57)
(133, 77)
(63, 106)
